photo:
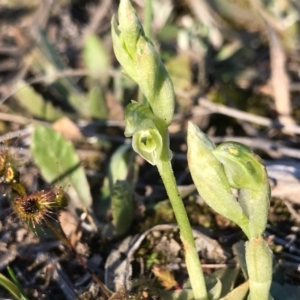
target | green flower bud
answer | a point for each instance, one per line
(142, 63)
(155, 81)
(210, 179)
(140, 124)
(129, 26)
(135, 114)
(123, 56)
(245, 171)
(242, 167)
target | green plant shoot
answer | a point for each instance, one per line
(215, 170)
(148, 124)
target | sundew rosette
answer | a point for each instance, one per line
(36, 207)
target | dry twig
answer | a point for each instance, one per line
(224, 110)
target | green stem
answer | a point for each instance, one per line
(259, 266)
(191, 256)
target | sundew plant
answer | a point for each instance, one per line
(215, 170)
(40, 209)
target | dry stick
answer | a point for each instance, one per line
(267, 16)
(279, 78)
(61, 236)
(100, 13)
(222, 109)
(275, 149)
(204, 14)
(292, 211)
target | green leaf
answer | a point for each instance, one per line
(240, 256)
(17, 283)
(214, 286)
(215, 291)
(180, 72)
(96, 59)
(11, 287)
(34, 103)
(228, 277)
(46, 60)
(118, 166)
(121, 191)
(51, 149)
(238, 293)
(122, 207)
(97, 104)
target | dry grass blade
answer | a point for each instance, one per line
(222, 109)
(202, 11)
(279, 79)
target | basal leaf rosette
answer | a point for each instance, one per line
(146, 138)
(246, 172)
(140, 60)
(210, 178)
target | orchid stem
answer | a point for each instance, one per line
(191, 255)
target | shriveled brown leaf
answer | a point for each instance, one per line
(165, 277)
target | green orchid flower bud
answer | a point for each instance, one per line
(210, 178)
(125, 37)
(141, 62)
(121, 52)
(146, 138)
(155, 81)
(135, 114)
(242, 167)
(129, 26)
(245, 171)
(259, 266)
